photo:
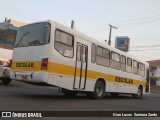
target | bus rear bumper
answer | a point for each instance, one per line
(35, 77)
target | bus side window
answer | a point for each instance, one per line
(141, 69)
(106, 57)
(99, 55)
(64, 43)
(123, 63)
(129, 65)
(93, 53)
(115, 60)
(135, 67)
(102, 57)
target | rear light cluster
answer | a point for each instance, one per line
(44, 64)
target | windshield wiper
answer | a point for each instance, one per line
(22, 38)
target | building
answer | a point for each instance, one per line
(11, 24)
(155, 69)
(8, 32)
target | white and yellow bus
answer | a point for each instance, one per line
(50, 53)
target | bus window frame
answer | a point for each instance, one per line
(73, 42)
(95, 53)
(102, 55)
(129, 65)
(48, 41)
(115, 60)
(135, 67)
(139, 68)
(123, 63)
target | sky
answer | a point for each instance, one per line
(137, 19)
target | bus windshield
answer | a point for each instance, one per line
(33, 35)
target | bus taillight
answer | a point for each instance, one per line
(44, 64)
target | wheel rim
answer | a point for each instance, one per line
(99, 90)
(139, 92)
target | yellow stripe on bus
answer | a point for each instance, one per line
(60, 69)
(70, 70)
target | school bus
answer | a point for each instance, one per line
(50, 53)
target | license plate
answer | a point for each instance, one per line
(24, 77)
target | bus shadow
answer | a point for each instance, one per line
(63, 97)
(9, 85)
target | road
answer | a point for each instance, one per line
(25, 97)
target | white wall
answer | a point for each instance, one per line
(158, 71)
(5, 53)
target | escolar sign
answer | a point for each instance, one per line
(24, 64)
(123, 80)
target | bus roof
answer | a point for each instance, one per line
(92, 40)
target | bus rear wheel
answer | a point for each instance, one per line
(139, 93)
(69, 93)
(99, 91)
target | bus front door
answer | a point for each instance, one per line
(80, 66)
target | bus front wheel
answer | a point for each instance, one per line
(139, 93)
(98, 92)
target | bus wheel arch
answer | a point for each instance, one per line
(139, 92)
(99, 89)
(103, 81)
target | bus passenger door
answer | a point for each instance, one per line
(80, 66)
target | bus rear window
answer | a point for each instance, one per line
(33, 35)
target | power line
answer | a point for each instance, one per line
(126, 25)
(31, 13)
(144, 56)
(139, 23)
(16, 14)
(146, 46)
(129, 20)
(144, 50)
(135, 19)
(103, 27)
(147, 36)
(19, 12)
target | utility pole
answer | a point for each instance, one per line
(5, 19)
(109, 42)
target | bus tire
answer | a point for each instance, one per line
(114, 94)
(99, 91)
(69, 93)
(6, 80)
(139, 93)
